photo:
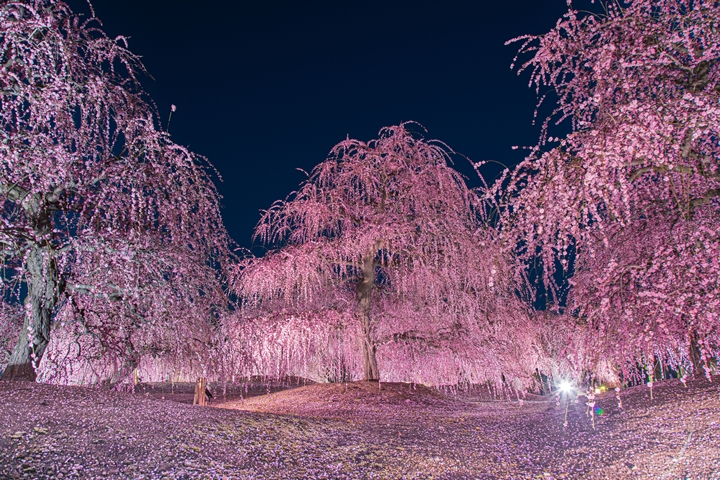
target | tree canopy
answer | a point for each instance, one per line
(626, 207)
(388, 234)
(110, 233)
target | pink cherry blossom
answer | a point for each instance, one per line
(630, 197)
(112, 229)
(384, 268)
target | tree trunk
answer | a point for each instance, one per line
(364, 293)
(695, 355)
(42, 296)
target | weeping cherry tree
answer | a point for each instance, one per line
(626, 208)
(387, 236)
(110, 232)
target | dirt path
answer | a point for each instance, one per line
(71, 432)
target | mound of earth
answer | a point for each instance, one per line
(342, 400)
(184, 392)
(60, 432)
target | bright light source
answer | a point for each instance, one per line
(565, 386)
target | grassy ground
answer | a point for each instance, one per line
(357, 430)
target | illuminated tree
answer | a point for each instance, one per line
(388, 235)
(109, 229)
(627, 205)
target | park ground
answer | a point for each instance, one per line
(357, 430)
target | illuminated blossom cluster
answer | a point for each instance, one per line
(626, 207)
(385, 243)
(111, 228)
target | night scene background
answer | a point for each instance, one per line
(265, 88)
(476, 374)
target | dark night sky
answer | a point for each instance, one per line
(265, 87)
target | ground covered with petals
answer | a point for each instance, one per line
(358, 430)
